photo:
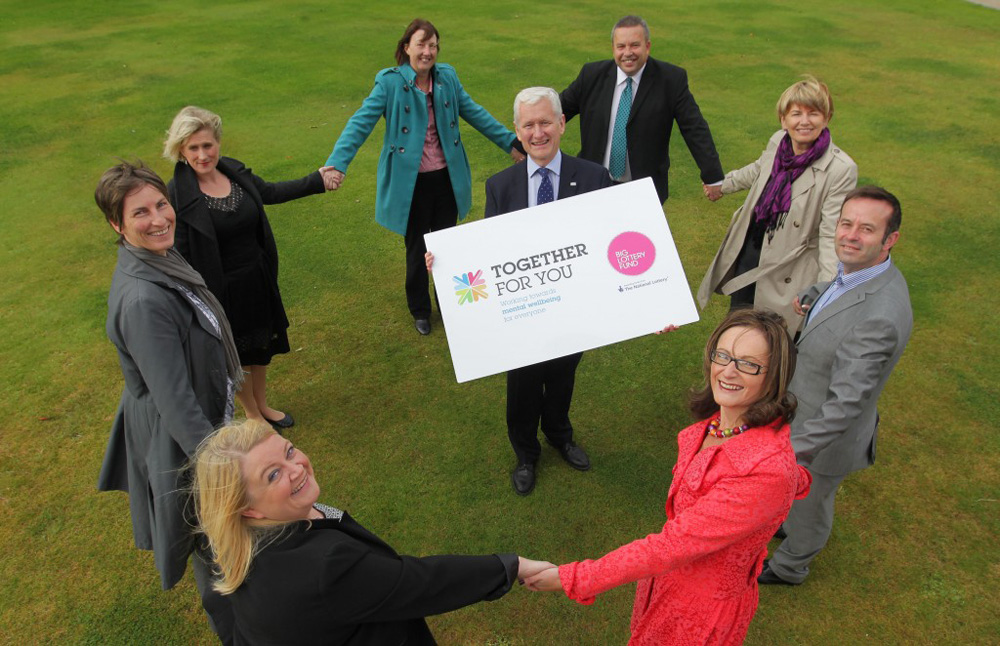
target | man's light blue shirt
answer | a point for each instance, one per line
(843, 283)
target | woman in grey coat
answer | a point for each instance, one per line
(180, 368)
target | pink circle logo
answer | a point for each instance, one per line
(631, 253)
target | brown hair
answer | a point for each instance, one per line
(775, 400)
(630, 21)
(118, 182)
(412, 28)
(880, 194)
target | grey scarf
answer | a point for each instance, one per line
(176, 267)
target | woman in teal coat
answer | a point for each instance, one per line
(424, 183)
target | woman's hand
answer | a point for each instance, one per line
(331, 177)
(429, 260)
(545, 581)
(713, 193)
(516, 155)
(669, 328)
(528, 568)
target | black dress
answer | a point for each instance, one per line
(251, 298)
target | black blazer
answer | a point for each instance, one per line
(333, 582)
(195, 237)
(508, 190)
(662, 98)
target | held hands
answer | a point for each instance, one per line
(545, 581)
(527, 568)
(331, 177)
(713, 193)
(800, 308)
(516, 155)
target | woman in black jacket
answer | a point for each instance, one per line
(301, 572)
(223, 232)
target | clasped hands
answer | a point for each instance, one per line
(331, 177)
(713, 193)
(540, 576)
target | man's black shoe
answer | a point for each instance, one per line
(575, 456)
(768, 577)
(523, 478)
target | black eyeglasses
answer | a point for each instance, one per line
(746, 367)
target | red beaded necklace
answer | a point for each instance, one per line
(722, 433)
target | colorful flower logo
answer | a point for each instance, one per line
(470, 287)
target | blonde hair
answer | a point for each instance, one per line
(220, 497)
(809, 92)
(187, 122)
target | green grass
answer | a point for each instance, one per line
(418, 458)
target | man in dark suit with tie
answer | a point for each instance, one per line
(541, 392)
(855, 330)
(627, 109)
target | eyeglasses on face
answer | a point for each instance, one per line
(746, 367)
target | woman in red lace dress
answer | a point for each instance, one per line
(734, 482)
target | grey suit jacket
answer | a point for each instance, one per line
(846, 354)
(175, 394)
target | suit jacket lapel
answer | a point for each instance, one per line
(650, 78)
(850, 299)
(606, 94)
(519, 188)
(568, 186)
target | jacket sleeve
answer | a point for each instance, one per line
(364, 586)
(840, 185)
(858, 365)
(696, 133)
(358, 127)
(151, 331)
(743, 178)
(280, 192)
(573, 96)
(731, 510)
(479, 118)
(181, 228)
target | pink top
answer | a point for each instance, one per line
(432, 157)
(697, 577)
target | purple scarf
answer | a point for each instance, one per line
(774, 202)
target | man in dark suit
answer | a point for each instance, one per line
(541, 392)
(855, 330)
(627, 109)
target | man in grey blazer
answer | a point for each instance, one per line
(855, 331)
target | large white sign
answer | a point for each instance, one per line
(558, 278)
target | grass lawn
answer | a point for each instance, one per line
(418, 458)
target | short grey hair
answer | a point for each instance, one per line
(188, 121)
(630, 21)
(532, 95)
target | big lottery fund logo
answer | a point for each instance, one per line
(631, 253)
(470, 287)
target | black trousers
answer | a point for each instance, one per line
(433, 208)
(540, 392)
